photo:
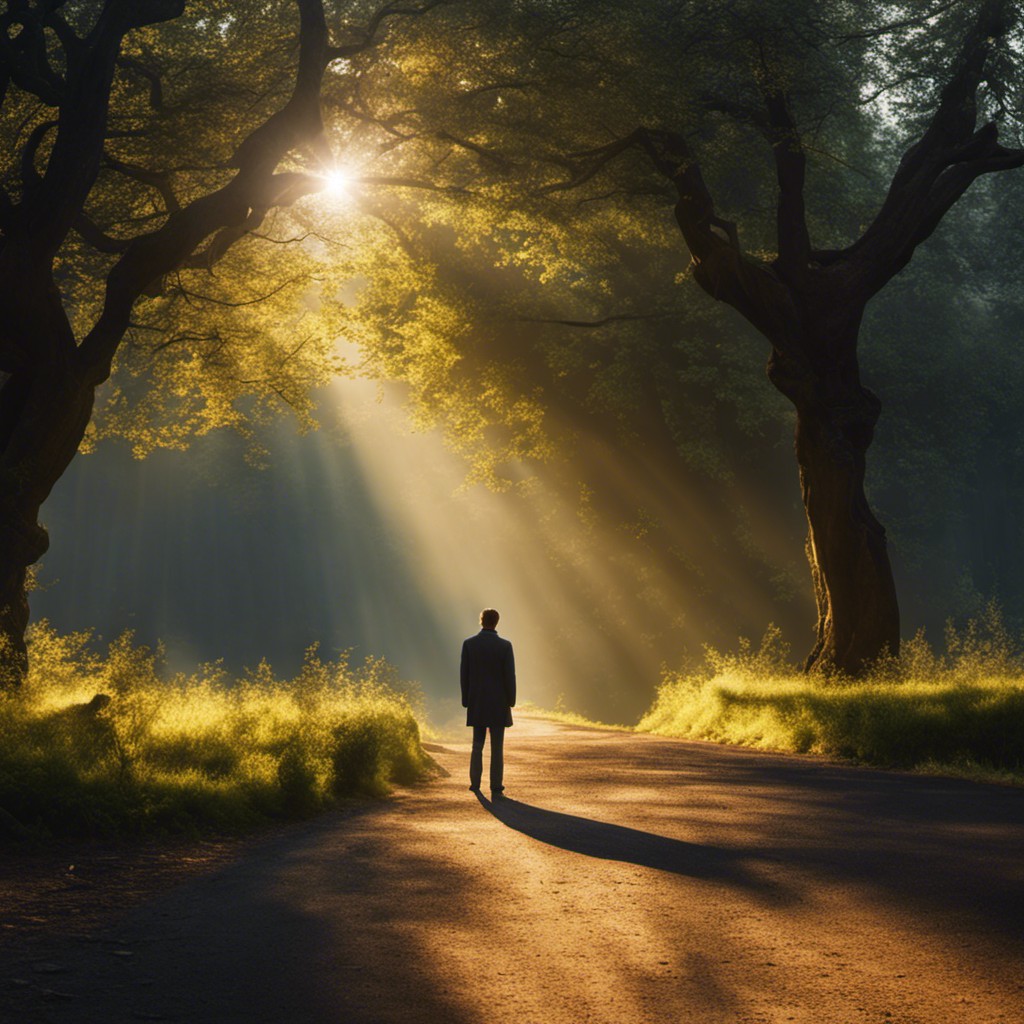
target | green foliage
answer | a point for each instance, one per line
(962, 710)
(939, 348)
(198, 751)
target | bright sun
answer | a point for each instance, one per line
(337, 182)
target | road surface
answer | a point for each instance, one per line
(630, 879)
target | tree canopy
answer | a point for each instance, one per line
(226, 203)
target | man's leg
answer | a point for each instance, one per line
(497, 757)
(476, 758)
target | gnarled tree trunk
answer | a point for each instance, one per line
(43, 416)
(815, 366)
(858, 614)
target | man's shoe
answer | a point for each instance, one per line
(474, 789)
(495, 797)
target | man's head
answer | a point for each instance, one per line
(489, 618)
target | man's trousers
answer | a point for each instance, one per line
(476, 759)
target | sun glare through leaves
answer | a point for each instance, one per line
(338, 183)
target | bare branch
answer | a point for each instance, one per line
(188, 294)
(93, 235)
(369, 32)
(895, 26)
(159, 180)
(29, 175)
(156, 89)
(178, 339)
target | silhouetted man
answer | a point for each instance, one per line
(488, 677)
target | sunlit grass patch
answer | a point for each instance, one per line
(961, 712)
(561, 713)
(188, 752)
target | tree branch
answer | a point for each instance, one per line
(937, 169)
(24, 57)
(369, 32)
(72, 43)
(188, 294)
(156, 88)
(93, 235)
(159, 180)
(586, 164)
(52, 208)
(254, 187)
(790, 167)
(30, 177)
(500, 163)
(895, 26)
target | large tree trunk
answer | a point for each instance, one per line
(858, 612)
(43, 416)
(19, 548)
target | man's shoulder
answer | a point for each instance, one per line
(487, 637)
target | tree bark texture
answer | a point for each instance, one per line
(43, 414)
(816, 368)
(858, 613)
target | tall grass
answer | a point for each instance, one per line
(961, 710)
(190, 752)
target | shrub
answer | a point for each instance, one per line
(189, 752)
(962, 709)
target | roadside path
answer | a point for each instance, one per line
(630, 880)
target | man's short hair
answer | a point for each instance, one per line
(489, 618)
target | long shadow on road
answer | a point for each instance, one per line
(629, 845)
(947, 848)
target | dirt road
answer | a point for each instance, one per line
(630, 879)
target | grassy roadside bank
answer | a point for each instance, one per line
(961, 712)
(187, 753)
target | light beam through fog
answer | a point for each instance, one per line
(467, 548)
(590, 618)
(362, 536)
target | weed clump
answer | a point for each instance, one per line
(109, 744)
(960, 710)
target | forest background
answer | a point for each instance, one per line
(573, 433)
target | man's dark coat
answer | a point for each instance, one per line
(488, 675)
